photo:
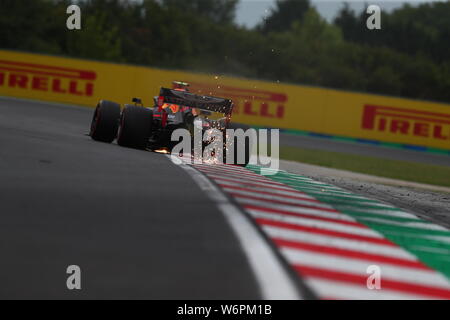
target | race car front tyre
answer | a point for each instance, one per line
(105, 121)
(135, 127)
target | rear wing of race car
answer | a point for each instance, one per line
(192, 100)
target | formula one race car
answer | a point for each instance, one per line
(151, 128)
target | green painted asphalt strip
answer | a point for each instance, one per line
(429, 242)
(366, 215)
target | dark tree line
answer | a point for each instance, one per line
(409, 57)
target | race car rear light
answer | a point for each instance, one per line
(160, 101)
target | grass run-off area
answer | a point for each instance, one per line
(395, 169)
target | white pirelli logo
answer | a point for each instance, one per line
(29, 76)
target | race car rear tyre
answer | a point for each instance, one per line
(105, 121)
(135, 127)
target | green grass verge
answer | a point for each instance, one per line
(395, 169)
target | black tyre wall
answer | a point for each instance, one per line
(135, 127)
(105, 121)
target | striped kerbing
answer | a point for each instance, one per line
(330, 236)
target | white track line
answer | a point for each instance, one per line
(409, 224)
(257, 187)
(262, 205)
(272, 278)
(338, 242)
(258, 182)
(323, 225)
(297, 201)
(428, 278)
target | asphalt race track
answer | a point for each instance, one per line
(136, 224)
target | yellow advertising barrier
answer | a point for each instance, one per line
(258, 103)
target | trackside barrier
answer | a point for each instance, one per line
(258, 103)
